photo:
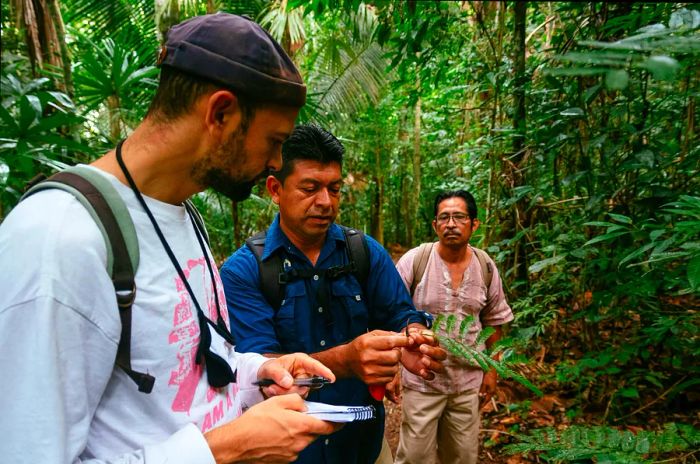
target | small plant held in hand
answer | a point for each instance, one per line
(457, 342)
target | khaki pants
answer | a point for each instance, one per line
(448, 423)
(385, 456)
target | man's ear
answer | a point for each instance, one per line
(273, 188)
(434, 224)
(475, 224)
(221, 110)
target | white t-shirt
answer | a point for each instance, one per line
(61, 397)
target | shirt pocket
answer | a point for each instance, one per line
(350, 310)
(286, 321)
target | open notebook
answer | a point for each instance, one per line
(330, 413)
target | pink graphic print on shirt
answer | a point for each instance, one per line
(186, 334)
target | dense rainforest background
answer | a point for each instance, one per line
(573, 123)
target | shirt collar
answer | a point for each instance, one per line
(275, 238)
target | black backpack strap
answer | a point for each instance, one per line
(273, 278)
(271, 275)
(108, 210)
(358, 255)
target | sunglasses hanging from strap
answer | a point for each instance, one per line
(219, 372)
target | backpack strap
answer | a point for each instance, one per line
(486, 266)
(112, 217)
(273, 278)
(358, 255)
(420, 262)
(270, 271)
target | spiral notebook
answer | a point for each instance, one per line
(331, 413)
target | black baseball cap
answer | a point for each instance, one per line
(236, 52)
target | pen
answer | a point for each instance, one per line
(313, 383)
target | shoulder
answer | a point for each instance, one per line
(409, 256)
(242, 264)
(374, 246)
(483, 255)
(54, 249)
(53, 222)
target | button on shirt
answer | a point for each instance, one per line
(303, 325)
(434, 293)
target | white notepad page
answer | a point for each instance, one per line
(331, 413)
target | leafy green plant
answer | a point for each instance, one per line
(118, 77)
(606, 444)
(32, 116)
(452, 337)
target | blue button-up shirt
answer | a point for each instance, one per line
(301, 325)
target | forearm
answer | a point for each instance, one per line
(491, 341)
(336, 359)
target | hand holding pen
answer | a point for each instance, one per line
(292, 373)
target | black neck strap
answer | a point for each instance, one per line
(220, 326)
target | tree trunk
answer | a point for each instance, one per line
(415, 191)
(520, 80)
(45, 37)
(113, 108)
(235, 218)
(520, 209)
(378, 201)
(167, 14)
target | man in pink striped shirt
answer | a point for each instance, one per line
(451, 277)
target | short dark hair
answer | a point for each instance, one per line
(309, 142)
(178, 91)
(463, 194)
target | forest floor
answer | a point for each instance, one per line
(516, 410)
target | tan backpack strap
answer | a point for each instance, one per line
(420, 261)
(486, 266)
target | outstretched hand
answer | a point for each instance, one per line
(284, 369)
(374, 357)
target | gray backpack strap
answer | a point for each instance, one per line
(486, 266)
(107, 208)
(420, 262)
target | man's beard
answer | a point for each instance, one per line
(228, 155)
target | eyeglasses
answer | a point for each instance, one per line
(459, 218)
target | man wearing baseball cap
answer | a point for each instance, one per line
(227, 99)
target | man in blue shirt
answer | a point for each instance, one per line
(349, 326)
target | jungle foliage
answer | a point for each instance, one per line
(573, 123)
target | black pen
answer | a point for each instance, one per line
(313, 383)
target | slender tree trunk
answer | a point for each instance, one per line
(113, 108)
(520, 209)
(167, 14)
(378, 202)
(57, 19)
(235, 218)
(416, 188)
(520, 80)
